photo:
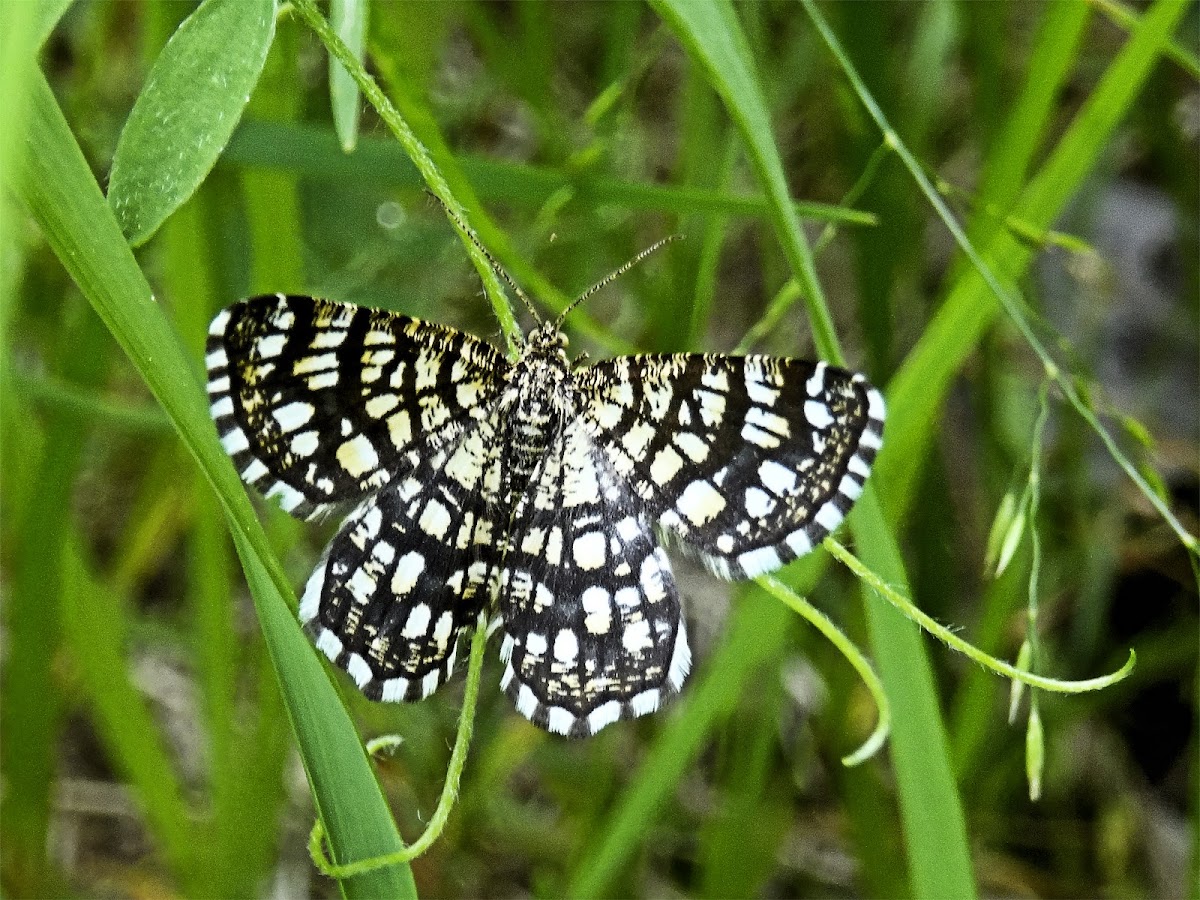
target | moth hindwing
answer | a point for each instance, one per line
(530, 492)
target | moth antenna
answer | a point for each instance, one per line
(496, 267)
(614, 275)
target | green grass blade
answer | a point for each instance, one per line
(46, 16)
(711, 34)
(935, 829)
(312, 151)
(63, 197)
(755, 637)
(349, 19)
(920, 385)
(94, 625)
(32, 714)
(189, 107)
(1055, 49)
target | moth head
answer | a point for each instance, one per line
(546, 340)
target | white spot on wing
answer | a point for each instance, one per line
(816, 382)
(235, 442)
(269, 345)
(358, 455)
(588, 550)
(758, 503)
(560, 720)
(328, 643)
(776, 478)
(757, 562)
(358, 669)
(310, 603)
(829, 517)
(850, 487)
(666, 464)
(681, 659)
(408, 570)
(875, 405)
(430, 682)
(435, 519)
(418, 622)
(645, 703)
(636, 637)
(305, 443)
(602, 715)
(817, 414)
(527, 703)
(700, 502)
(595, 602)
(566, 647)
(217, 327)
(254, 471)
(693, 447)
(535, 644)
(798, 542)
(395, 690)
(858, 467)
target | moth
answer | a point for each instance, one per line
(534, 495)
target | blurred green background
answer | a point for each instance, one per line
(145, 743)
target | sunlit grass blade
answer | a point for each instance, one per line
(921, 383)
(64, 199)
(312, 151)
(755, 637)
(349, 20)
(935, 828)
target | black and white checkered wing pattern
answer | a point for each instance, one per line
(321, 404)
(748, 461)
(410, 570)
(592, 624)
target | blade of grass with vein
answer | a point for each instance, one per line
(271, 198)
(310, 150)
(1055, 48)
(921, 383)
(59, 396)
(63, 197)
(95, 629)
(1052, 57)
(349, 19)
(244, 776)
(935, 828)
(755, 637)
(32, 714)
(1128, 19)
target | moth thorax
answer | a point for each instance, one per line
(541, 404)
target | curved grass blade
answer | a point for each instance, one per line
(935, 827)
(922, 381)
(60, 192)
(187, 111)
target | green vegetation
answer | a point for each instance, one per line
(991, 208)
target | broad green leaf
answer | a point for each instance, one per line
(185, 114)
